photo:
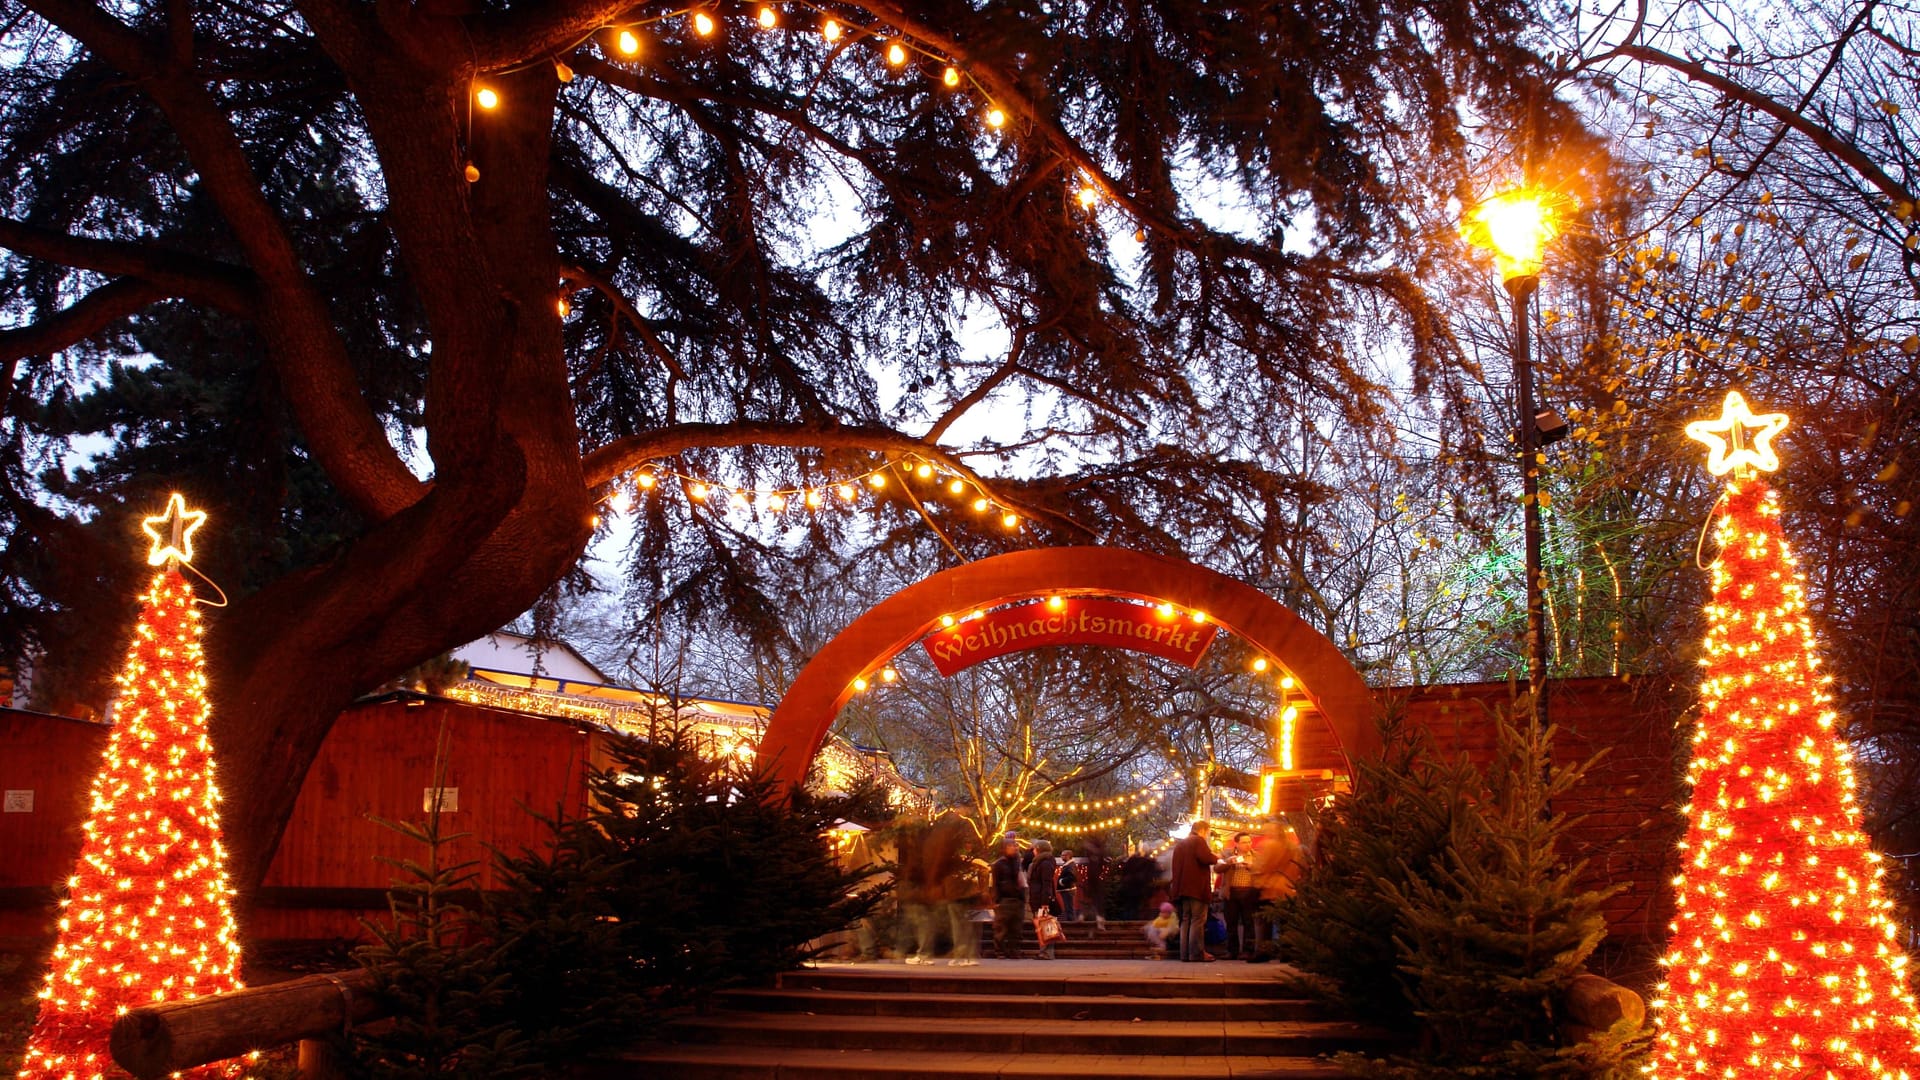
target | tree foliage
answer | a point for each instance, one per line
(246, 260)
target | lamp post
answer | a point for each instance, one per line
(1515, 226)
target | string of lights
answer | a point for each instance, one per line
(623, 42)
(845, 491)
(1093, 826)
(1069, 806)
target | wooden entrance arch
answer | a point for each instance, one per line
(1322, 674)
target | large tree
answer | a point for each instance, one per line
(286, 258)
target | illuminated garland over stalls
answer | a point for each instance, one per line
(1785, 959)
(147, 917)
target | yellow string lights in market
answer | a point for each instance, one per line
(704, 20)
(846, 491)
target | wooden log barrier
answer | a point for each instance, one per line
(156, 1040)
(1593, 1005)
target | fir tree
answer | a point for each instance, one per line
(1492, 934)
(438, 968)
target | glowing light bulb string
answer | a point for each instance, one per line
(901, 46)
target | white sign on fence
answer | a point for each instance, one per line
(449, 800)
(19, 801)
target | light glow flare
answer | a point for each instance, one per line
(1515, 226)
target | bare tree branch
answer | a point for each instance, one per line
(1819, 134)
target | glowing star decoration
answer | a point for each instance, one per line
(172, 532)
(1740, 438)
(146, 918)
(1785, 958)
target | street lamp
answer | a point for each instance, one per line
(1516, 226)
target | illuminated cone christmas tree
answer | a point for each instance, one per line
(147, 918)
(1784, 960)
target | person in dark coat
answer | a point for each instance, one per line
(1041, 890)
(1192, 889)
(1009, 901)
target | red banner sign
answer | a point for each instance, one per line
(1173, 636)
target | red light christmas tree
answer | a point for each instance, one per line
(1784, 960)
(147, 918)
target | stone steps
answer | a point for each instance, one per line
(1012, 1035)
(1091, 1020)
(787, 1063)
(1022, 1006)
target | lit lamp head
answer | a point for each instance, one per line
(1515, 227)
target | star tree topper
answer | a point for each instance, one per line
(1740, 438)
(172, 532)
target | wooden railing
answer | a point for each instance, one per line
(156, 1040)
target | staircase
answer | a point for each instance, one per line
(1090, 1021)
(1122, 939)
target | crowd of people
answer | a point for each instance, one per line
(1198, 903)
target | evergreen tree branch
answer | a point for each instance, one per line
(309, 357)
(170, 273)
(528, 32)
(81, 320)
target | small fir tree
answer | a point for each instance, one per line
(438, 968)
(1492, 933)
(1339, 924)
(713, 878)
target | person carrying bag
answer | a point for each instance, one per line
(1042, 898)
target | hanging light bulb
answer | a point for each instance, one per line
(738, 499)
(1089, 195)
(768, 18)
(845, 491)
(878, 480)
(698, 492)
(563, 305)
(487, 98)
(1199, 617)
(946, 620)
(620, 502)
(629, 43)
(980, 506)
(646, 481)
(1010, 521)
(1055, 603)
(830, 30)
(776, 502)
(958, 487)
(860, 685)
(813, 499)
(1259, 663)
(996, 117)
(952, 76)
(472, 173)
(896, 55)
(702, 23)
(924, 471)
(889, 675)
(562, 71)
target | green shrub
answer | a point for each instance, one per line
(684, 876)
(1440, 896)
